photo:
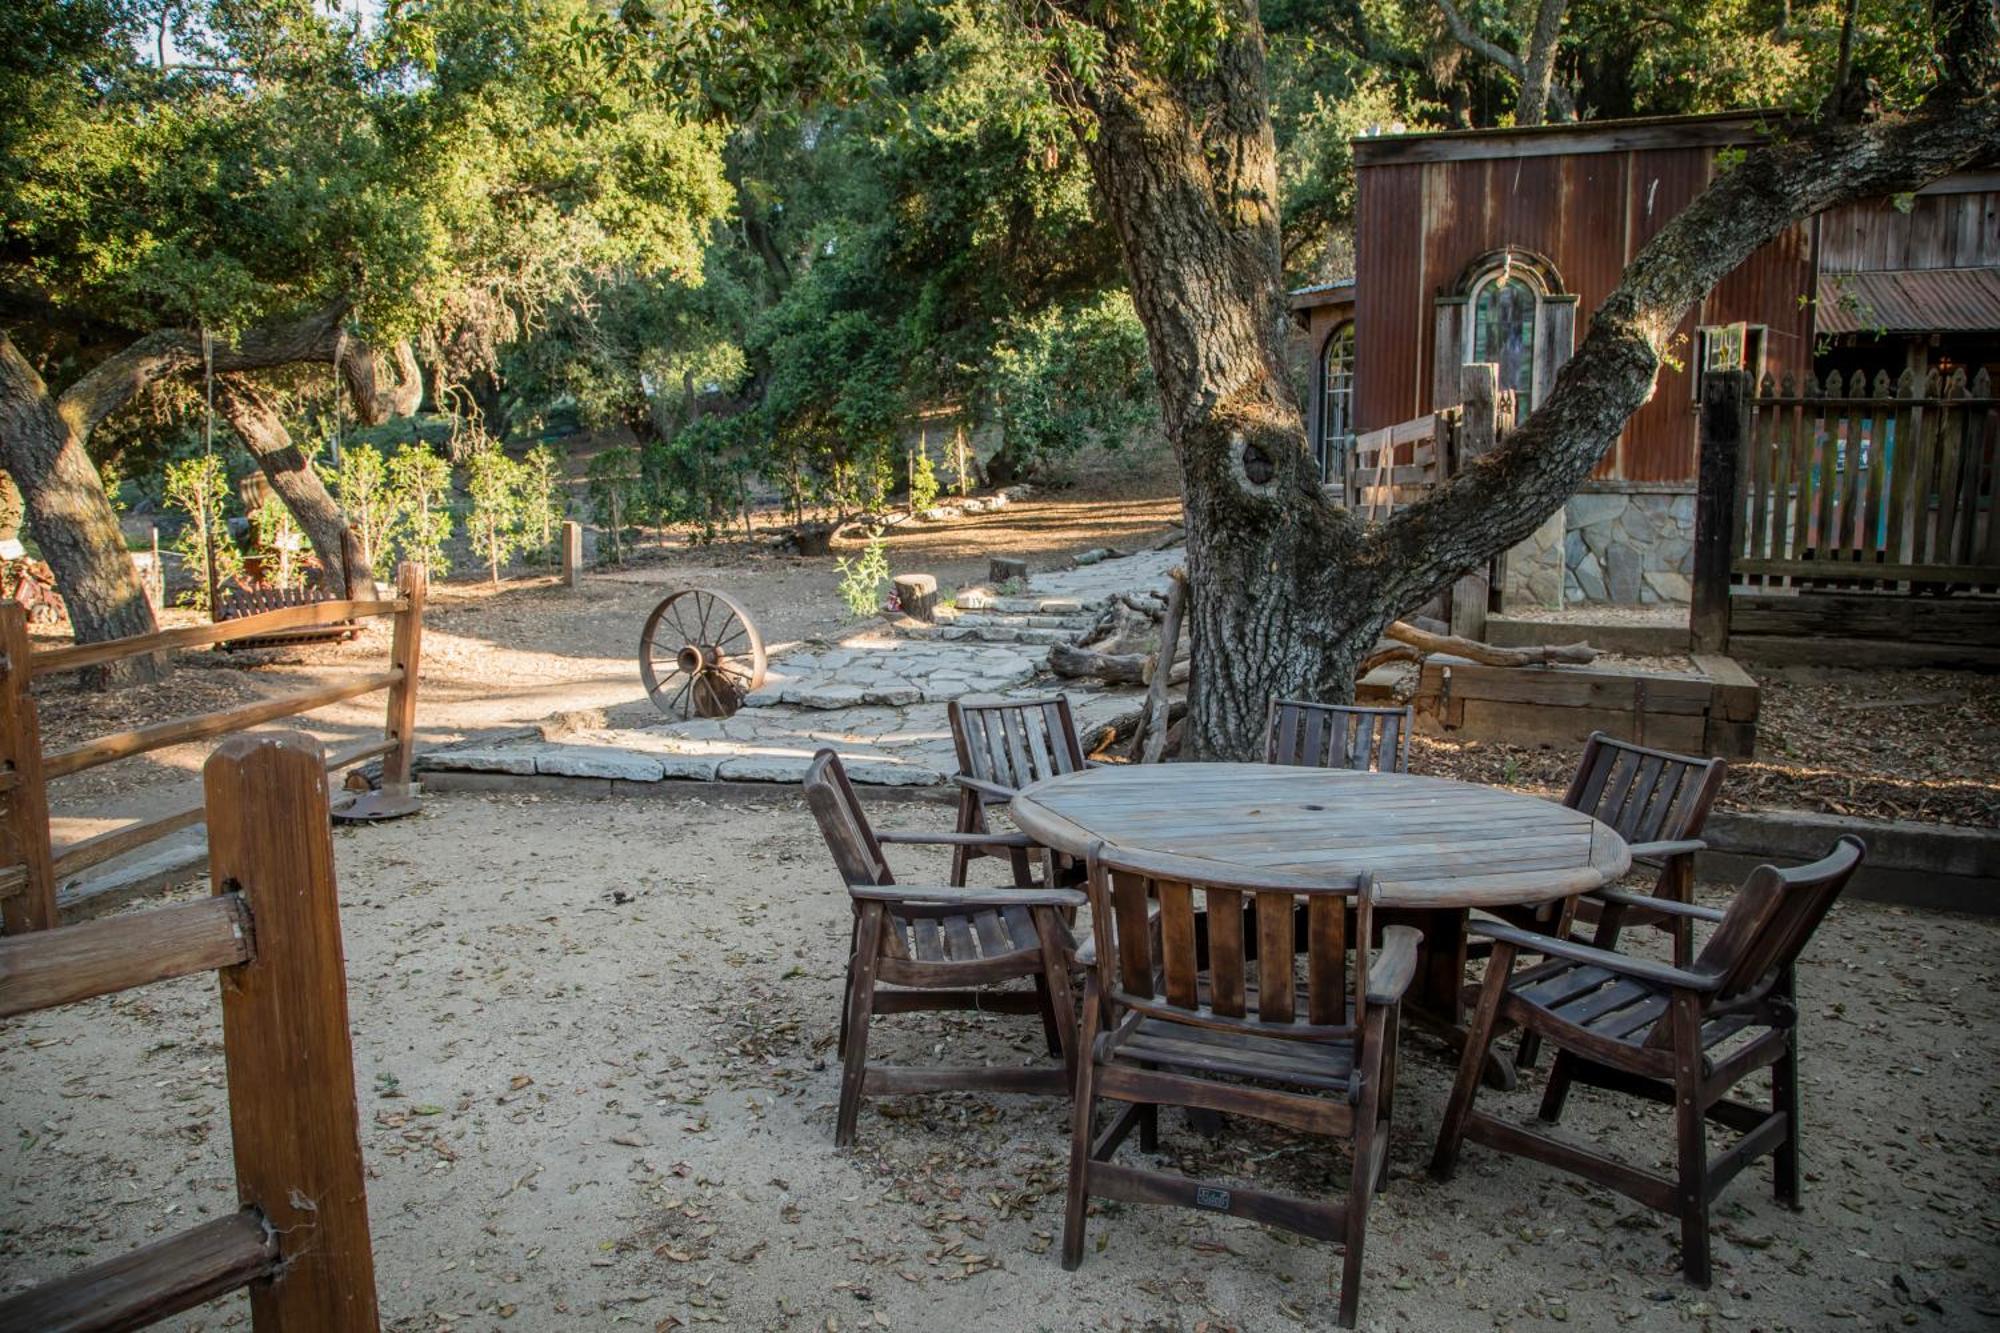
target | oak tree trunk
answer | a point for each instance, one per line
(71, 517)
(292, 476)
(1287, 592)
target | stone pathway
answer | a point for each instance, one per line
(877, 697)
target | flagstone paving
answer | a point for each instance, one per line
(877, 698)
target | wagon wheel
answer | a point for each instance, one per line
(699, 655)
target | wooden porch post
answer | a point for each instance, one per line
(292, 1113)
(25, 829)
(1725, 439)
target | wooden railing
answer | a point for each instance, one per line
(300, 1240)
(33, 866)
(1868, 487)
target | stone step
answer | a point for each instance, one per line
(978, 599)
(1015, 620)
(960, 632)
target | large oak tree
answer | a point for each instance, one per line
(1289, 591)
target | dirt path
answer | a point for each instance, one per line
(594, 1044)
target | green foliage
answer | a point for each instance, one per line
(280, 544)
(617, 499)
(199, 488)
(420, 501)
(923, 480)
(697, 478)
(544, 502)
(495, 483)
(1070, 376)
(361, 484)
(863, 576)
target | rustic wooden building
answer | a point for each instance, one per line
(1495, 245)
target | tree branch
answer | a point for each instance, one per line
(1538, 73)
(1464, 34)
(1501, 498)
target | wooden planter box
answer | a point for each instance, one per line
(1711, 710)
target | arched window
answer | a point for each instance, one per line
(1509, 309)
(1504, 310)
(1336, 418)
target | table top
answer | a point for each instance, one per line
(1432, 842)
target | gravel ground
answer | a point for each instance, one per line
(593, 1042)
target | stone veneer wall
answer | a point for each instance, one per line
(1628, 548)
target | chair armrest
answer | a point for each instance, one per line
(1391, 970)
(1639, 969)
(971, 899)
(1020, 840)
(988, 791)
(1660, 851)
(1647, 902)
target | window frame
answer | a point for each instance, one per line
(1333, 458)
(1491, 276)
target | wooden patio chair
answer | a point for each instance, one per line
(916, 948)
(1003, 745)
(1199, 1004)
(1660, 1032)
(1658, 802)
(1310, 735)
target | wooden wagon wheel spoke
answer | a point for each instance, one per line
(704, 670)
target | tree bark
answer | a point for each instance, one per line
(1536, 73)
(292, 476)
(42, 438)
(1289, 593)
(72, 520)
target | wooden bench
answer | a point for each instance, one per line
(240, 602)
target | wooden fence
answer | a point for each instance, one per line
(1859, 486)
(33, 866)
(272, 929)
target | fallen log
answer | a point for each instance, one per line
(1425, 641)
(1100, 740)
(1074, 663)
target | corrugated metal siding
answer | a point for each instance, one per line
(1420, 224)
(1391, 314)
(1940, 231)
(1910, 300)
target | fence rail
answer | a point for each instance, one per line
(31, 865)
(1865, 486)
(300, 1241)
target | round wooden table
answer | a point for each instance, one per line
(1438, 847)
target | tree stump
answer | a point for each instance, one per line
(1005, 569)
(917, 595)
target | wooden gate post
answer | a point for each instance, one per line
(292, 1113)
(24, 833)
(1725, 440)
(1483, 420)
(405, 654)
(572, 553)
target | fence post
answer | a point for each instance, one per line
(405, 653)
(572, 552)
(26, 827)
(1479, 429)
(1725, 440)
(292, 1113)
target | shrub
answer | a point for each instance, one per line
(420, 493)
(198, 488)
(863, 576)
(923, 480)
(362, 484)
(495, 482)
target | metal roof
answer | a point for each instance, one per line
(1910, 301)
(1324, 293)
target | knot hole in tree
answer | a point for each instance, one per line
(1257, 465)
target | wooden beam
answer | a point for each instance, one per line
(405, 655)
(52, 967)
(151, 1282)
(1725, 441)
(125, 744)
(292, 1113)
(24, 811)
(81, 655)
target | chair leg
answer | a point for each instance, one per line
(1529, 1051)
(1082, 1115)
(1058, 1002)
(860, 1005)
(1472, 1062)
(1386, 1117)
(1678, 884)
(846, 1008)
(1692, 1145)
(1785, 1101)
(1149, 1129)
(1556, 1092)
(1361, 1180)
(1051, 1029)
(971, 819)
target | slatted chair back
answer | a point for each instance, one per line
(843, 824)
(1014, 742)
(1224, 952)
(1313, 735)
(1772, 919)
(1647, 795)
